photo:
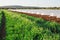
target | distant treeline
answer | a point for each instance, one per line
(33, 8)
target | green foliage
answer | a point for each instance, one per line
(29, 17)
(24, 27)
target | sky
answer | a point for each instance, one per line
(37, 3)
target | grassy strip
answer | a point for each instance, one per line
(43, 23)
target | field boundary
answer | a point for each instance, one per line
(45, 17)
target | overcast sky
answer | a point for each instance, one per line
(39, 3)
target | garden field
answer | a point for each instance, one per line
(17, 26)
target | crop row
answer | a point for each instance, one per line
(24, 27)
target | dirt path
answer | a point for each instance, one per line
(45, 17)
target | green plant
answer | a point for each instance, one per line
(24, 27)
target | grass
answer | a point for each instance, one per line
(24, 27)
